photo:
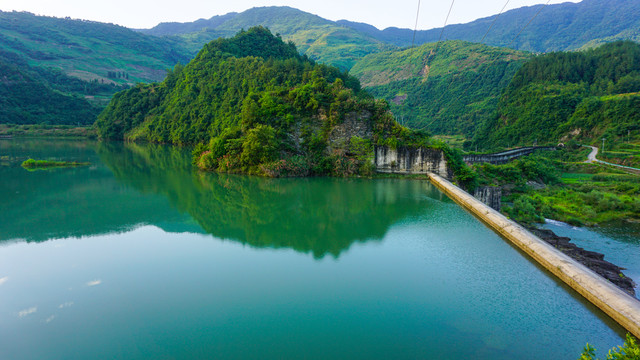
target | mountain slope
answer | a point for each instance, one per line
(583, 95)
(88, 50)
(559, 27)
(24, 99)
(320, 39)
(454, 94)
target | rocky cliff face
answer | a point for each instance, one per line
(490, 195)
(355, 124)
(410, 160)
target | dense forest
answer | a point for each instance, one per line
(253, 104)
(448, 88)
(561, 96)
(26, 99)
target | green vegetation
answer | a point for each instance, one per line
(31, 164)
(628, 351)
(551, 185)
(583, 96)
(40, 130)
(320, 39)
(88, 50)
(253, 105)
(323, 217)
(449, 91)
(24, 99)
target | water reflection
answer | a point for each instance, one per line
(131, 184)
(73, 202)
(321, 216)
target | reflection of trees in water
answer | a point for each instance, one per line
(62, 203)
(317, 215)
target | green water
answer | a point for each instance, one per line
(139, 257)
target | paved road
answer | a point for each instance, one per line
(592, 158)
(592, 155)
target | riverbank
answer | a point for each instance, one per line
(619, 305)
(8, 131)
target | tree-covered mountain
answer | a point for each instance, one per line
(255, 105)
(447, 88)
(89, 50)
(320, 39)
(579, 95)
(559, 27)
(35, 96)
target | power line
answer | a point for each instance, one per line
(512, 41)
(494, 21)
(530, 21)
(458, 75)
(481, 41)
(413, 41)
(415, 28)
(439, 40)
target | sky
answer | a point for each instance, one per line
(382, 14)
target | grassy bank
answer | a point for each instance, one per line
(42, 130)
(557, 185)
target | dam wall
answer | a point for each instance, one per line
(620, 306)
(411, 160)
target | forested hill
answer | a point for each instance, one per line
(562, 96)
(320, 39)
(89, 50)
(254, 105)
(449, 90)
(26, 99)
(559, 27)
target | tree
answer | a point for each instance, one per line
(628, 351)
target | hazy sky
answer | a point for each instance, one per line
(382, 14)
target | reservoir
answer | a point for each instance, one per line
(139, 256)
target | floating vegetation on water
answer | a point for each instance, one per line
(32, 164)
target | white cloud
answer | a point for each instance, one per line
(50, 319)
(28, 311)
(94, 283)
(4, 280)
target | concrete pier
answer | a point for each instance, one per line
(620, 306)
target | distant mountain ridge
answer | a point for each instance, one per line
(88, 50)
(320, 39)
(559, 27)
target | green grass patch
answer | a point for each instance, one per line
(31, 164)
(573, 178)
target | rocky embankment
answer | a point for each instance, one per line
(593, 260)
